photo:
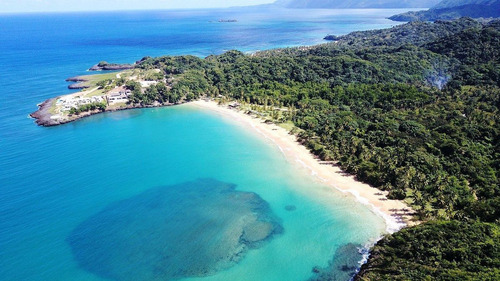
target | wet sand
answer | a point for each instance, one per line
(396, 213)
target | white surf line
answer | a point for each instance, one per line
(392, 224)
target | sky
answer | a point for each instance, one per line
(21, 6)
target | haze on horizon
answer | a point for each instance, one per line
(29, 6)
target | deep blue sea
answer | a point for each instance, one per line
(165, 193)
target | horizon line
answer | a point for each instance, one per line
(188, 9)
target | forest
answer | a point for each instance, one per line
(413, 110)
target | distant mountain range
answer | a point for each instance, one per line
(441, 10)
(352, 4)
(452, 9)
(455, 3)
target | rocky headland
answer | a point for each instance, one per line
(330, 37)
(44, 117)
(80, 82)
(111, 66)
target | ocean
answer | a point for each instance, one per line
(173, 193)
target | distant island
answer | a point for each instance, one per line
(227, 20)
(412, 110)
(453, 9)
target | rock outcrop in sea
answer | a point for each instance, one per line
(111, 66)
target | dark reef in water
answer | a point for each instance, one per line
(187, 230)
(343, 266)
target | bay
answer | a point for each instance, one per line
(53, 180)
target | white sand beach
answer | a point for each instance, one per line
(396, 213)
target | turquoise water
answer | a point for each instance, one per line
(197, 228)
(60, 186)
(119, 156)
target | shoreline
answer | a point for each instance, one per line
(43, 117)
(396, 213)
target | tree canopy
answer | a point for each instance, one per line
(413, 110)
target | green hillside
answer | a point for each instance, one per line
(413, 110)
(453, 9)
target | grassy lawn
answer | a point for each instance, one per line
(95, 78)
(117, 105)
(149, 74)
(99, 77)
(98, 92)
(287, 125)
(53, 107)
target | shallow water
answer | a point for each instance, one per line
(54, 182)
(87, 168)
(193, 229)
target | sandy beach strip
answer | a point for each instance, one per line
(394, 212)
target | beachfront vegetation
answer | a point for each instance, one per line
(100, 106)
(413, 110)
(437, 250)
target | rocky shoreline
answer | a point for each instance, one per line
(78, 86)
(77, 79)
(79, 83)
(112, 67)
(103, 65)
(44, 118)
(42, 115)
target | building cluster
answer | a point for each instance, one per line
(119, 94)
(69, 102)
